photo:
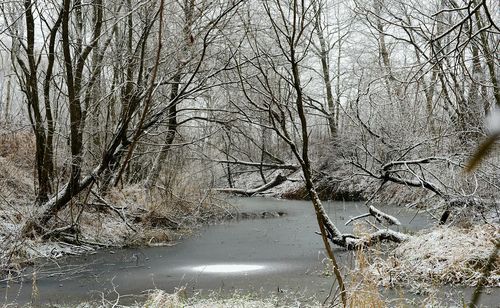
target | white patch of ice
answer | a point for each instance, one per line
(227, 268)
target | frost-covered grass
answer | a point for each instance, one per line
(122, 217)
(159, 298)
(237, 299)
(146, 223)
(442, 255)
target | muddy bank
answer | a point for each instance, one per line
(333, 191)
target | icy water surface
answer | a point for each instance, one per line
(275, 255)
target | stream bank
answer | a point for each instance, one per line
(259, 256)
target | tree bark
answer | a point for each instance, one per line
(325, 68)
(170, 136)
(490, 59)
(174, 92)
(32, 95)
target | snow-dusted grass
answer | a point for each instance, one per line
(363, 290)
(123, 217)
(146, 223)
(442, 255)
(159, 298)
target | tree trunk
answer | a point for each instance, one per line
(170, 136)
(490, 59)
(323, 52)
(174, 92)
(278, 180)
(32, 93)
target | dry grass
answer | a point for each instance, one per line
(16, 184)
(18, 147)
(123, 217)
(159, 298)
(363, 289)
(442, 255)
(16, 166)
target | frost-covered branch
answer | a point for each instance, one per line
(249, 192)
(259, 165)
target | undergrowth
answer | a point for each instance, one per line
(127, 215)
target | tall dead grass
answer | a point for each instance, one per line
(363, 290)
(17, 150)
(129, 215)
(18, 146)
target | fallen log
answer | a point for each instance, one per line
(351, 242)
(279, 179)
(379, 215)
(291, 167)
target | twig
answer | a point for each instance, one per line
(122, 216)
(58, 230)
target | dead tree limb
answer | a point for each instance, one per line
(114, 209)
(419, 161)
(352, 242)
(357, 217)
(374, 238)
(387, 174)
(259, 164)
(275, 182)
(381, 216)
(378, 214)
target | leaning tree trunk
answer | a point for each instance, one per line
(172, 110)
(169, 139)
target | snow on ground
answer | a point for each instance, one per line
(444, 254)
(148, 222)
(17, 250)
(160, 298)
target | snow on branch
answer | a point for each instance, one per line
(379, 215)
(425, 160)
(275, 182)
(258, 165)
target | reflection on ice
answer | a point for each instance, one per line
(227, 268)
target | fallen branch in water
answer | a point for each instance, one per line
(381, 216)
(378, 214)
(352, 242)
(357, 217)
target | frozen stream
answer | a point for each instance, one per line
(255, 255)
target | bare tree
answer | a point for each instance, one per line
(23, 52)
(109, 74)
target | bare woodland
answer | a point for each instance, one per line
(387, 99)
